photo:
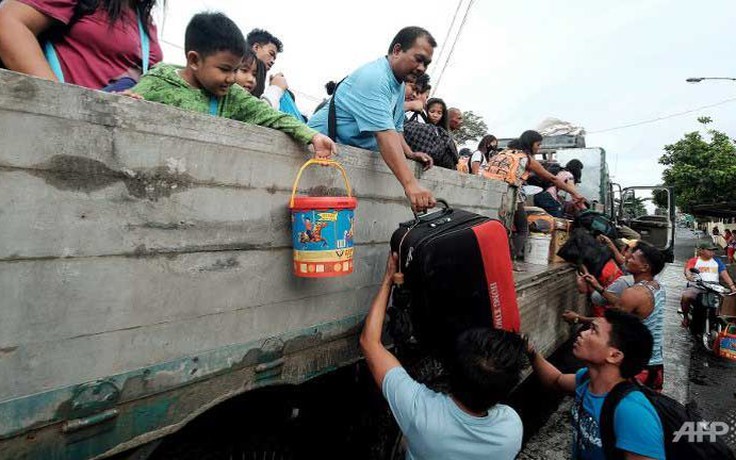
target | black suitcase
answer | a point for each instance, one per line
(457, 274)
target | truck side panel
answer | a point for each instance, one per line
(145, 266)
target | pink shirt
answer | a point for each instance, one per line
(564, 176)
(91, 52)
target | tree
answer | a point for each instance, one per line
(701, 171)
(472, 129)
(661, 200)
(634, 207)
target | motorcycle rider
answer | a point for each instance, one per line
(712, 270)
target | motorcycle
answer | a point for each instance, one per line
(704, 316)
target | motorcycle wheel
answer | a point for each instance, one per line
(711, 336)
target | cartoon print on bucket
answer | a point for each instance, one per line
(322, 231)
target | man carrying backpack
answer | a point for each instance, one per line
(615, 348)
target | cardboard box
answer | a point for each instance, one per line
(728, 307)
(559, 238)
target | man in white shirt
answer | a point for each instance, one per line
(712, 270)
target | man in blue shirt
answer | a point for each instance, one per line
(468, 423)
(369, 109)
(616, 347)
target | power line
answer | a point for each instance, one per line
(449, 29)
(452, 48)
(162, 40)
(308, 96)
(666, 117)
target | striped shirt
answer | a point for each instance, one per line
(655, 321)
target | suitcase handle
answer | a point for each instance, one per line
(399, 275)
(425, 216)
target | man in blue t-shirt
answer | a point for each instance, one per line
(467, 424)
(369, 109)
(616, 347)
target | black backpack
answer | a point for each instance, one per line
(552, 167)
(582, 248)
(433, 140)
(596, 223)
(673, 415)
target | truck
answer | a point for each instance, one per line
(145, 270)
(645, 212)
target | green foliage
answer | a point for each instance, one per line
(660, 200)
(702, 171)
(634, 207)
(472, 129)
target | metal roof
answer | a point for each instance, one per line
(722, 209)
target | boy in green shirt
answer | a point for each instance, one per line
(215, 48)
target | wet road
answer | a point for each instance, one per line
(691, 375)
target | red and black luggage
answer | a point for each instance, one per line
(457, 274)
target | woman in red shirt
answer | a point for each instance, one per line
(97, 42)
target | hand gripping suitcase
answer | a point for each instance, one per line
(457, 274)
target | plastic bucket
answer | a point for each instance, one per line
(726, 343)
(537, 249)
(322, 230)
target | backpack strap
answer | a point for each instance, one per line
(606, 422)
(145, 44)
(49, 51)
(332, 114)
(53, 59)
(214, 102)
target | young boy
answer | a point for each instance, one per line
(215, 48)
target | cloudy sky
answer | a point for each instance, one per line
(597, 64)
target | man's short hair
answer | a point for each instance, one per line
(408, 36)
(487, 365)
(209, 33)
(422, 83)
(632, 338)
(652, 255)
(263, 37)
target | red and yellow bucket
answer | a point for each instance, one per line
(725, 346)
(322, 229)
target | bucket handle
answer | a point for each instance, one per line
(311, 162)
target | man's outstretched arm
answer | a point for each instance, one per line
(390, 144)
(379, 359)
(548, 374)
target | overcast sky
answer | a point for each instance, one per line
(596, 64)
